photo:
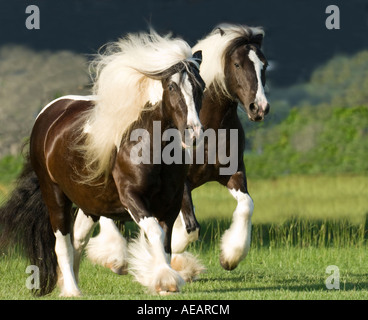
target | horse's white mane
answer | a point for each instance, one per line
(123, 84)
(214, 47)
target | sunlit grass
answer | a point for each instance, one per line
(267, 273)
(281, 199)
(301, 225)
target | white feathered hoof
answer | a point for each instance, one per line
(117, 268)
(228, 264)
(143, 265)
(187, 265)
(161, 279)
(64, 291)
(232, 251)
(167, 281)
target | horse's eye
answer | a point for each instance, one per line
(237, 65)
(171, 87)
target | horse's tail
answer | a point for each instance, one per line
(24, 220)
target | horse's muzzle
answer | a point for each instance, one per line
(257, 112)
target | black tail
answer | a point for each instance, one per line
(24, 220)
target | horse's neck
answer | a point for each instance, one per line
(153, 114)
(217, 107)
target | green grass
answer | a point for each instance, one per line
(290, 197)
(278, 273)
(301, 225)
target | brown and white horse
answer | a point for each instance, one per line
(233, 69)
(81, 153)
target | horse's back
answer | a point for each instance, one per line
(52, 111)
(62, 112)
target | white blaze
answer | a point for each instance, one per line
(261, 99)
(187, 91)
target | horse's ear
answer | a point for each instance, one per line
(197, 56)
(257, 39)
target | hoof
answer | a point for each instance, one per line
(167, 280)
(70, 294)
(123, 270)
(67, 291)
(157, 277)
(232, 252)
(227, 265)
(187, 265)
(167, 291)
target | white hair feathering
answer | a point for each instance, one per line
(123, 83)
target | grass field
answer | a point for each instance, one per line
(301, 225)
(281, 199)
(278, 273)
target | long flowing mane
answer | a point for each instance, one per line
(216, 45)
(126, 78)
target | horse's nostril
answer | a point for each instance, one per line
(253, 107)
(267, 109)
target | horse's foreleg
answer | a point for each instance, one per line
(235, 242)
(83, 228)
(186, 226)
(149, 255)
(149, 262)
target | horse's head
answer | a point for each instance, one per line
(182, 95)
(245, 75)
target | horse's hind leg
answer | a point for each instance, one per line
(235, 242)
(186, 227)
(59, 207)
(83, 228)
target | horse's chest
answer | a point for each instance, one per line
(165, 189)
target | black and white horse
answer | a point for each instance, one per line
(81, 153)
(233, 69)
